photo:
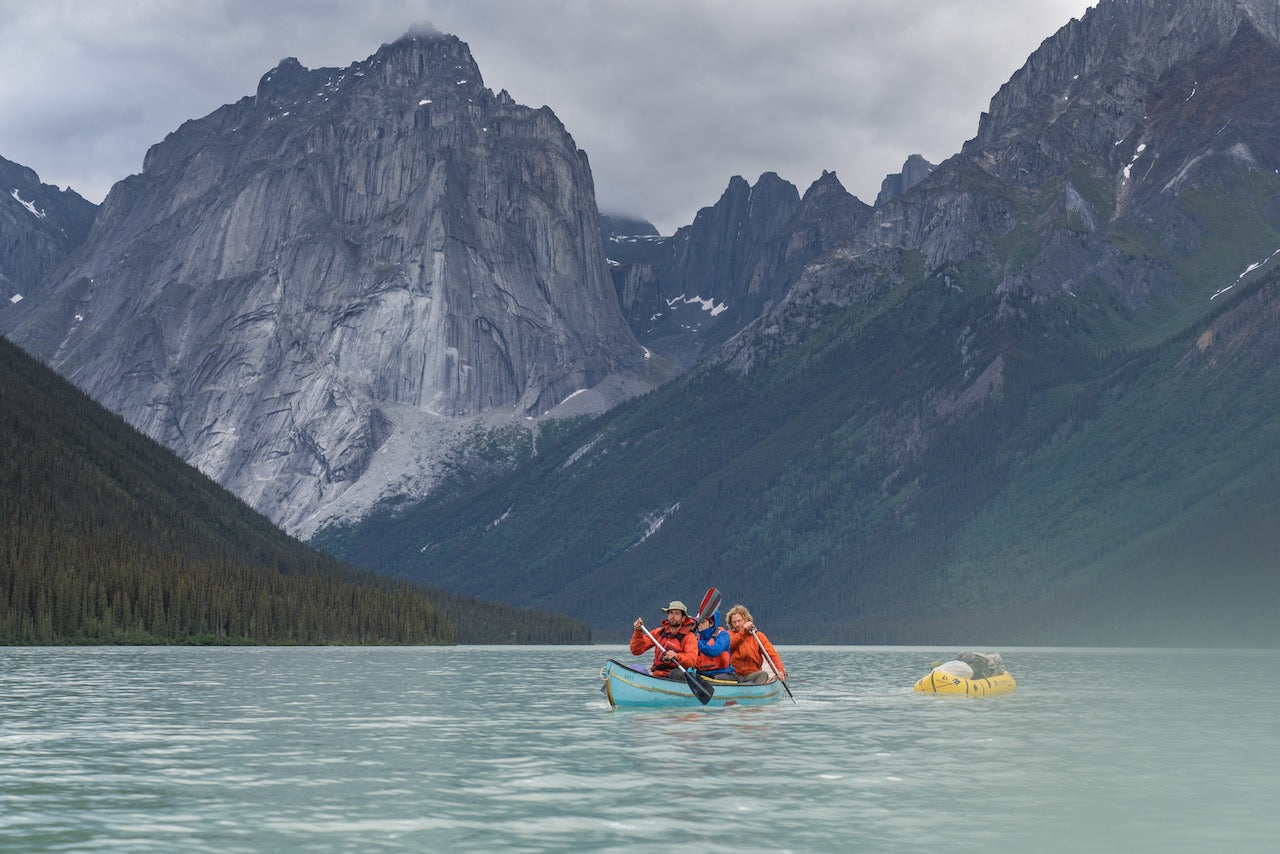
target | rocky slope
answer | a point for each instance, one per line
(41, 225)
(309, 294)
(914, 170)
(1029, 398)
(687, 294)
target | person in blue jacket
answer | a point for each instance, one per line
(713, 650)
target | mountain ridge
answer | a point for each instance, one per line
(853, 448)
(346, 263)
(42, 225)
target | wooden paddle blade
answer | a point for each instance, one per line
(702, 690)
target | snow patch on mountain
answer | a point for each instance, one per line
(29, 205)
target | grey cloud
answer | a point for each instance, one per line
(668, 97)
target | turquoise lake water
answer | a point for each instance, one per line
(515, 749)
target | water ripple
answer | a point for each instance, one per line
(481, 749)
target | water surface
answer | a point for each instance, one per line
(515, 749)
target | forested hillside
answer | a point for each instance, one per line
(105, 537)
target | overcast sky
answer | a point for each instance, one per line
(669, 98)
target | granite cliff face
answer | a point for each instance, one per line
(686, 294)
(914, 170)
(40, 225)
(1036, 386)
(350, 262)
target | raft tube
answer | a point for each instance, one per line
(938, 682)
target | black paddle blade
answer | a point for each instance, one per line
(701, 690)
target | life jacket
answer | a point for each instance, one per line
(682, 642)
(713, 649)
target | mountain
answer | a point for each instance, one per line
(685, 295)
(914, 170)
(318, 293)
(623, 226)
(1026, 401)
(106, 537)
(41, 226)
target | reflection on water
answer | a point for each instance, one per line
(340, 749)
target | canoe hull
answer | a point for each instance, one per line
(627, 688)
(938, 682)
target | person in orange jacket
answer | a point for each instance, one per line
(677, 641)
(745, 652)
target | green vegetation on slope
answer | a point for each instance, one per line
(105, 537)
(758, 481)
(858, 486)
(1016, 446)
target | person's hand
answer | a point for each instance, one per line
(638, 623)
(749, 628)
(669, 655)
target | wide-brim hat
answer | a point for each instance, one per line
(676, 605)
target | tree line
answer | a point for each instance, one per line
(59, 590)
(107, 537)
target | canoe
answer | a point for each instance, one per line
(625, 687)
(940, 682)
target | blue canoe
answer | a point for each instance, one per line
(624, 686)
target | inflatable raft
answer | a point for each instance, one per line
(941, 682)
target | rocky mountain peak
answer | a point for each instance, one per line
(41, 225)
(621, 226)
(914, 170)
(286, 82)
(1106, 62)
(338, 271)
(686, 294)
(428, 65)
(826, 185)
(441, 62)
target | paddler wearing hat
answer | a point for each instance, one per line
(677, 641)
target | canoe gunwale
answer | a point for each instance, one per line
(642, 689)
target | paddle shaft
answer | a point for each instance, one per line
(768, 663)
(701, 689)
(645, 629)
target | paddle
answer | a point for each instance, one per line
(702, 690)
(710, 603)
(768, 663)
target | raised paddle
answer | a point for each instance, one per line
(768, 663)
(702, 690)
(710, 603)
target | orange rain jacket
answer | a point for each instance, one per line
(684, 642)
(745, 653)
